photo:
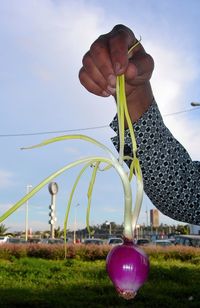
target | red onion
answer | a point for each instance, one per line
(128, 268)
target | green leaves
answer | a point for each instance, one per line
(130, 219)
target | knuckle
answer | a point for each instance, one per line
(120, 28)
(149, 63)
(81, 75)
(98, 45)
(86, 59)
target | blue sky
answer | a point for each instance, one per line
(42, 44)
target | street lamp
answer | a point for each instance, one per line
(195, 104)
(53, 189)
(75, 222)
(28, 187)
(108, 223)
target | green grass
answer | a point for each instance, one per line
(31, 282)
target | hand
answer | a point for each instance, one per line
(107, 58)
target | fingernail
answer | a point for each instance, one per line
(117, 67)
(112, 80)
(106, 94)
(111, 90)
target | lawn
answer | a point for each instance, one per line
(34, 282)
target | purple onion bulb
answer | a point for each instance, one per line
(128, 268)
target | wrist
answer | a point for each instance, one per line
(139, 101)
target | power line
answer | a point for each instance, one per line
(178, 112)
(80, 129)
(53, 132)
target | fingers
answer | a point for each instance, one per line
(97, 74)
(90, 84)
(110, 51)
(93, 71)
(120, 40)
(108, 57)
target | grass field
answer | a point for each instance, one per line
(31, 282)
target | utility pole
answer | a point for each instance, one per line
(75, 222)
(28, 187)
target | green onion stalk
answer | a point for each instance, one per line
(130, 217)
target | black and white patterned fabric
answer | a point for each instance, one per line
(171, 178)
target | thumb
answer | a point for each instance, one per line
(140, 69)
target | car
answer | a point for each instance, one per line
(113, 241)
(3, 239)
(142, 241)
(51, 241)
(55, 241)
(93, 241)
(163, 243)
(15, 240)
(34, 240)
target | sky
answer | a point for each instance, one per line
(42, 45)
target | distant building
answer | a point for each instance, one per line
(154, 218)
(194, 229)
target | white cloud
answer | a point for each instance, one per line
(174, 72)
(111, 210)
(43, 73)
(72, 150)
(4, 207)
(6, 179)
(51, 46)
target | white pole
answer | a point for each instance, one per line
(75, 222)
(26, 219)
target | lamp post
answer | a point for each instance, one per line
(53, 189)
(108, 223)
(28, 187)
(75, 222)
(195, 104)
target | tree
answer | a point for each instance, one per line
(58, 232)
(183, 229)
(3, 229)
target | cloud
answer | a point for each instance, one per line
(50, 39)
(70, 150)
(35, 225)
(111, 210)
(43, 73)
(4, 207)
(6, 179)
(175, 72)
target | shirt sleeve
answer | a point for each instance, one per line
(171, 178)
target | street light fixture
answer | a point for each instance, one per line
(195, 104)
(28, 187)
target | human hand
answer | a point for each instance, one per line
(108, 57)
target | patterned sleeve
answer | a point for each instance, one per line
(171, 178)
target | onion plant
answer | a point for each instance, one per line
(127, 266)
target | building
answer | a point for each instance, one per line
(154, 218)
(194, 229)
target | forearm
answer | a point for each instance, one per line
(171, 178)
